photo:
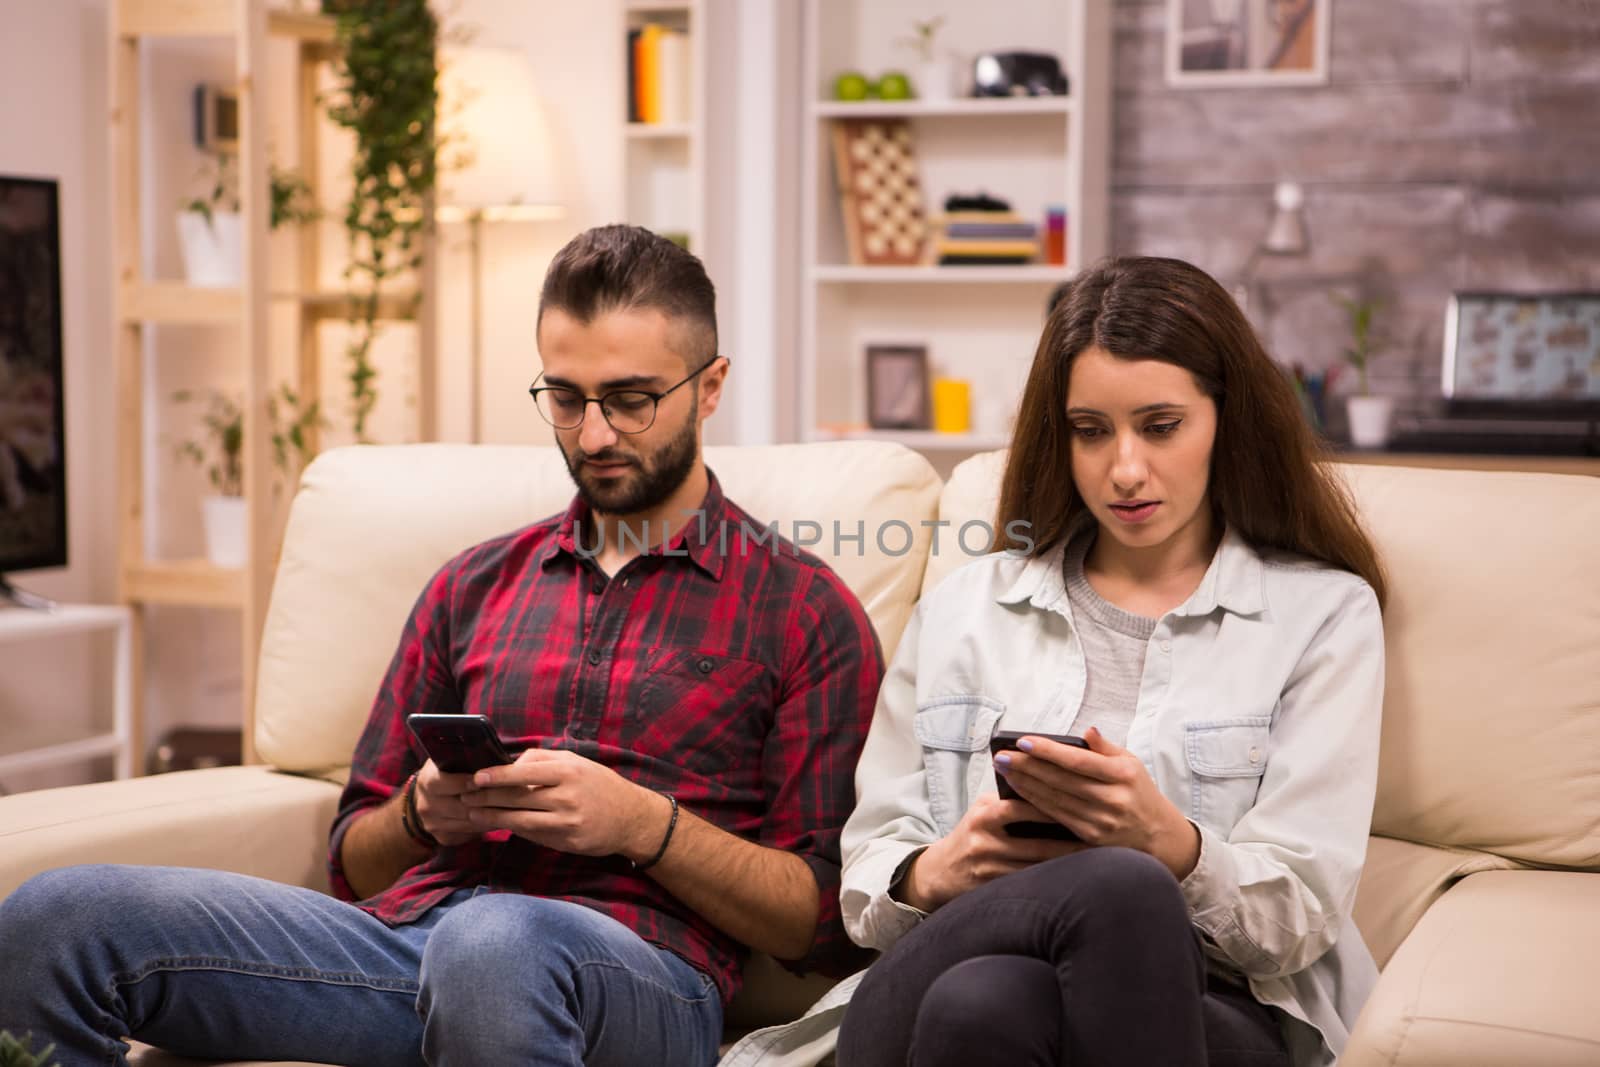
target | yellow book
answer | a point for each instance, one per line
(650, 73)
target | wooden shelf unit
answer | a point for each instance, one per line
(142, 302)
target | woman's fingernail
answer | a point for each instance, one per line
(1003, 760)
(1026, 744)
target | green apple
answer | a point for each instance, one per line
(895, 86)
(851, 85)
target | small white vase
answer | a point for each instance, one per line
(1370, 420)
(224, 520)
(213, 252)
(936, 79)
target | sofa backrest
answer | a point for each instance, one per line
(370, 525)
(1491, 726)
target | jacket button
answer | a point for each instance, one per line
(704, 666)
(1255, 754)
(1166, 646)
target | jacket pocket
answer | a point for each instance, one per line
(954, 733)
(1226, 758)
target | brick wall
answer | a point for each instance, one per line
(1456, 145)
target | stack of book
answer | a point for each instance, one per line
(987, 237)
(658, 75)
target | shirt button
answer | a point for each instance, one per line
(594, 659)
(704, 666)
(598, 587)
(1255, 754)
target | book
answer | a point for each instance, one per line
(650, 73)
(633, 75)
(672, 71)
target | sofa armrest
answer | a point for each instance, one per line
(251, 820)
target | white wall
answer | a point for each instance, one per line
(53, 125)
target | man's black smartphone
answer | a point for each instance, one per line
(1007, 739)
(459, 744)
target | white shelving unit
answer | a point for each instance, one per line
(664, 163)
(978, 323)
(18, 624)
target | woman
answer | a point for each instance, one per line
(1192, 594)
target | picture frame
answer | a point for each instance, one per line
(1247, 43)
(1536, 352)
(898, 387)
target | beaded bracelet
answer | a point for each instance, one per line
(411, 819)
(672, 824)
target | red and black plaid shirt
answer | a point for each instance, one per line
(737, 675)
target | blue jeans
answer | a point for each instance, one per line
(210, 964)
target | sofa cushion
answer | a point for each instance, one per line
(1499, 971)
(1493, 643)
(1401, 880)
(371, 524)
(183, 819)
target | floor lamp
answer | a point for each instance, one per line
(496, 167)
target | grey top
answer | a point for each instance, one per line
(1114, 643)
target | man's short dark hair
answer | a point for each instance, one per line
(628, 268)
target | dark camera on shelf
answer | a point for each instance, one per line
(1018, 74)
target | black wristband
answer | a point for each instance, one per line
(672, 824)
(411, 819)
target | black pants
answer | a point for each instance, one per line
(1089, 960)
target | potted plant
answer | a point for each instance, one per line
(14, 1053)
(936, 71)
(211, 233)
(1370, 416)
(219, 451)
(386, 95)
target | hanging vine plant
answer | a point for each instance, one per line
(387, 96)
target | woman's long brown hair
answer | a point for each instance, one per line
(1266, 479)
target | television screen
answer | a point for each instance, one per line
(33, 466)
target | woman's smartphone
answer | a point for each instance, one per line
(1005, 740)
(459, 744)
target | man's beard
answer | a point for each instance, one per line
(650, 483)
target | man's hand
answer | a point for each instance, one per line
(563, 801)
(440, 806)
(977, 851)
(1105, 795)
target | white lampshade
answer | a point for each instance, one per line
(1286, 234)
(490, 111)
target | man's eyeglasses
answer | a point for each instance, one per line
(627, 410)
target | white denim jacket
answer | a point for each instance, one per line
(1258, 717)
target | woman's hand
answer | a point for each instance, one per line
(1105, 795)
(977, 851)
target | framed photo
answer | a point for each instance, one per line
(1530, 350)
(898, 392)
(1222, 43)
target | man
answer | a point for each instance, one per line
(691, 705)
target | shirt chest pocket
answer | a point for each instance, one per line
(1226, 758)
(954, 734)
(706, 711)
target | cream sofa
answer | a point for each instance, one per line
(1479, 899)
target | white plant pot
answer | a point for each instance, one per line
(936, 79)
(213, 252)
(1370, 419)
(225, 520)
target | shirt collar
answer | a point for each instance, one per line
(1233, 581)
(695, 540)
